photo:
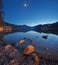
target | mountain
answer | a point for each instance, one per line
(18, 28)
(47, 28)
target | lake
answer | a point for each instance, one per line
(40, 43)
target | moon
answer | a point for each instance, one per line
(25, 5)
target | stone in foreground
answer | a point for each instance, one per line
(21, 41)
(28, 50)
(7, 47)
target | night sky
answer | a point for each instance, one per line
(30, 12)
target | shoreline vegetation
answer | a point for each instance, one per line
(18, 54)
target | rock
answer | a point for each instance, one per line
(25, 38)
(28, 50)
(46, 49)
(36, 58)
(36, 36)
(46, 36)
(21, 41)
(7, 47)
(30, 39)
(11, 62)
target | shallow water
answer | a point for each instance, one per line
(40, 43)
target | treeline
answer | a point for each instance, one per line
(47, 28)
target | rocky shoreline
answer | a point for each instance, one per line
(15, 54)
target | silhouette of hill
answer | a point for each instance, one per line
(47, 28)
(22, 28)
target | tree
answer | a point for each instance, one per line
(1, 14)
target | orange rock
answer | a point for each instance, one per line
(11, 62)
(7, 47)
(28, 50)
(36, 59)
(21, 41)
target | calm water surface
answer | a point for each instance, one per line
(40, 43)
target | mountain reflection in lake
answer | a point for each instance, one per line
(45, 46)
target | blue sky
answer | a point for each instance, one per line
(36, 12)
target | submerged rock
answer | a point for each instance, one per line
(36, 59)
(29, 49)
(25, 38)
(7, 47)
(36, 36)
(21, 41)
(46, 36)
(46, 49)
(12, 62)
(30, 39)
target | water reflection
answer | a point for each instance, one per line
(48, 32)
(41, 44)
(1, 36)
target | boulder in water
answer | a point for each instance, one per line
(36, 58)
(36, 36)
(46, 49)
(21, 41)
(46, 36)
(28, 50)
(7, 47)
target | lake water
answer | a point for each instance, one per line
(39, 43)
